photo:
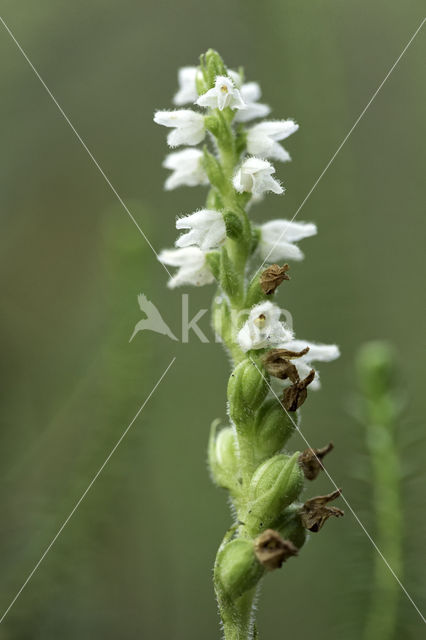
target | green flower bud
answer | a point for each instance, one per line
(212, 65)
(290, 526)
(222, 455)
(234, 226)
(274, 486)
(238, 570)
(272, 429)
(247, 389)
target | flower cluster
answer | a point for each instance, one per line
(219, 243)
(253, 173)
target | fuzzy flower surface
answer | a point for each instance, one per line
(206, 227)
(192, 266)
(223, 94)
(188, 126)
(255, 176)
(263, 328)
(262, 139)
(187, 168)
(278, 237)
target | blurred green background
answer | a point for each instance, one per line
(135, 560)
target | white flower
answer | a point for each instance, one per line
(263, 328)
(255, 176)
(187, 169)
(188, 126)
(187, 92)
(193, 268)
(277, 238)
(207, 229)
(262, 139)
(223, 94)
(316, 353)
(251, 93)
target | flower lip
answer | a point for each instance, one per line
(223, 94)
(263, 328)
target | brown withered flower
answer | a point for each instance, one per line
(277, 363)
(272, 277)
(295, 396)
(315, 511)
(310, 460)
(271, 550)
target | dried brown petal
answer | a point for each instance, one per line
(271, 550)
(315, 512)
(310, 460)
(277, 363)
(295, 396)
(272, 277)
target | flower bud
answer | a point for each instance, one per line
(247, 389)
(274, 486)
(290, 526)
(212, 65)
(272, 429)
(222, 455)
(238, 568)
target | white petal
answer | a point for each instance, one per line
(252, 111)
(251, 92)
(274, 252)
(187, 92)
(277, 230)
(317, 352)
(276, 129)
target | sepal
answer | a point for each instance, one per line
(229, 278)
(238, 570)
(213, 169)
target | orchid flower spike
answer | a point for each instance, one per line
(262, 139)
(277, 239)
(193, 268)
(263, 328)
(255, 176)
(207, 229)
(188, 126)
(187, 169)
(223, 94)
